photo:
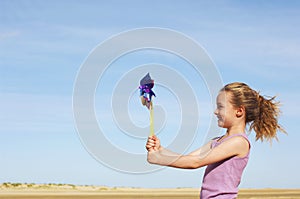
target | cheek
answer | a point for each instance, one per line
(222, 112)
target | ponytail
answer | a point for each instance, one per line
(266, 123)
(261, 113)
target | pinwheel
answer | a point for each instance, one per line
(146, 94)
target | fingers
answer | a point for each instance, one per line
(153, 143)
(150, 144)
(153, 137)
(156, 142)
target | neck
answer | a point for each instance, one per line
(235, 129)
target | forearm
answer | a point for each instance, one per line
(202, 151)
(164, 157)
(166, 152)
(179, 161)
(189, 161)
(174, 160)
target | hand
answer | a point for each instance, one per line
(153, 144)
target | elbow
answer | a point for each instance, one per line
(196, 164)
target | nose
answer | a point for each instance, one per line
(216, 112)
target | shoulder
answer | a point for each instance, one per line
(240, 144)
(235, 146)
(217, 138)
(239, 140)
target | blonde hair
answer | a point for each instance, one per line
(261, 112)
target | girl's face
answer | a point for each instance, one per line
(225, 112)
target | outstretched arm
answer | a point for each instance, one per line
(229, 148)
(156, 152)
(202, 151)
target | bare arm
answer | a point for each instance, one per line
(154, 143)
(167, 152)
(229, 148)
(202, 151)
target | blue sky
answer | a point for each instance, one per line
(43, 45)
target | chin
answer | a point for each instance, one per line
(221, 124)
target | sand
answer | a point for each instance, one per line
(32, 191)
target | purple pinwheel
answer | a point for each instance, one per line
(146, 93)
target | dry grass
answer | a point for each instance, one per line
(65, 191)
(269, 193)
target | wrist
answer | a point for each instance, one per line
(160, 148)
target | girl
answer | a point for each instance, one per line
(225, 156)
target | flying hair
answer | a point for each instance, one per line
(261, 112)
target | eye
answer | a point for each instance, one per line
(219, 106)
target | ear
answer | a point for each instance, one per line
(240, 112)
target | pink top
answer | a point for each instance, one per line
(221, 179)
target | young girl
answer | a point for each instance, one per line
(225, 156)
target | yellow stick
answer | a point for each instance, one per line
(151, 120)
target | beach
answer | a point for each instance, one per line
(60, 191)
